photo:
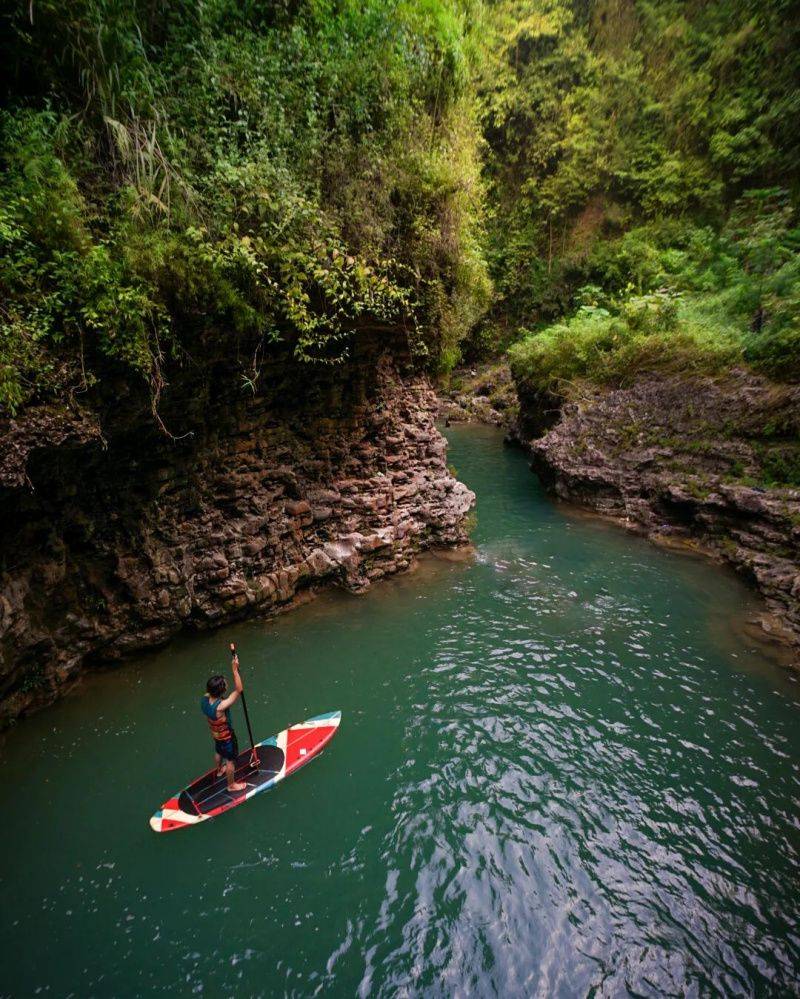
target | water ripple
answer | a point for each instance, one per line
(559, 774)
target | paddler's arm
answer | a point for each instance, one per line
(237, 682)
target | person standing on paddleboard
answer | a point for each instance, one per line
(216, 707)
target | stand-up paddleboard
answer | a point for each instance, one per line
(278, 757)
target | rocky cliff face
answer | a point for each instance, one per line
(114, 537)
(680, 460)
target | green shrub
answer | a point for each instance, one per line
(619, 136)
(776, 353)
(649, 333)
(780, 465)
(295, 172)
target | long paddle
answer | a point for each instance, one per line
(254, 760)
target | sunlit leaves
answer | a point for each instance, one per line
(249, 174)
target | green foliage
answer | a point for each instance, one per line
(655, 332)
(620, 133)
(62, 284)
(780, 465)
(294, 172)
(291, 175)
(680, 298)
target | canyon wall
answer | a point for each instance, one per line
(116, 536)
(686, 461)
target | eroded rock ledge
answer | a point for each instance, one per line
(114, 542)
(679, 460)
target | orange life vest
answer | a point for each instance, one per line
(221, 729)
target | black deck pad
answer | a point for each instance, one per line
(210, 791)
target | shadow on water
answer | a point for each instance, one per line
(560, 771)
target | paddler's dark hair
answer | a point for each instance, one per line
(216, 685)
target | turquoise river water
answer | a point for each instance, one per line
(562, 770)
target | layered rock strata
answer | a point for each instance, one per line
(483, 394)
(680, 459)
(115, 537)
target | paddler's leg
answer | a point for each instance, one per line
(233, 785)
(219, 765)
(229, 751)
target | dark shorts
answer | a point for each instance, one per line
(228, 750)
